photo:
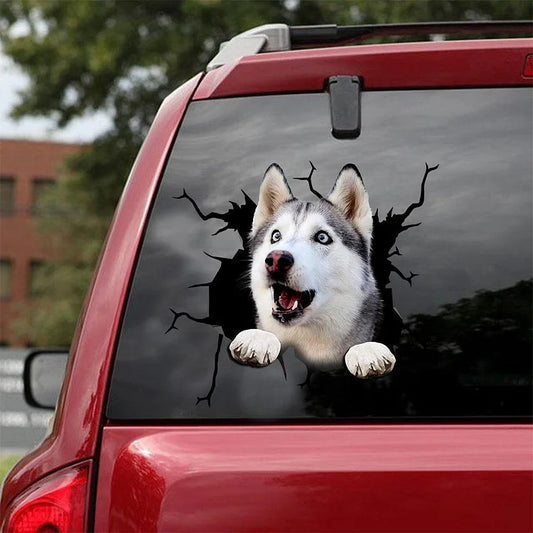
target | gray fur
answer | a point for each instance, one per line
(350, 237)
(336, 326)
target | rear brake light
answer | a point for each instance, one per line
(56, 504)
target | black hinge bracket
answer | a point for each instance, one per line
(345, 106)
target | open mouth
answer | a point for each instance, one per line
(288, 303)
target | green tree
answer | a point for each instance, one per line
(124, 57)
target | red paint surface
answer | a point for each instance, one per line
(412, 65)
(80, 408)
(316, 478)
(528, 66)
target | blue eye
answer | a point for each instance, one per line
(323, 238)
(275, 237)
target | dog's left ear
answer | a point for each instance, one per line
(350, 196)
(274, 192)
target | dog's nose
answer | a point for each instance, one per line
(279, 262)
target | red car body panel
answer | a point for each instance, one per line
(414, 65)
(315, 478)
(307, 478)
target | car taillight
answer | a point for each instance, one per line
(55, 504)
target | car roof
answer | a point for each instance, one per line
(437, 64)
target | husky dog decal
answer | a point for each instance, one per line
(311, 279)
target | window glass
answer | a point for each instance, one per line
(7, 195)
(452, 257)
(36, 279)
(6, 278)
(40, 187)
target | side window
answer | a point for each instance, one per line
(286, 274)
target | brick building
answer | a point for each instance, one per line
(27, 170)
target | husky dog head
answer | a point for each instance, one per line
(310, 261)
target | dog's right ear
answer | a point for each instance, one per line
(274, 192)
(350, 197)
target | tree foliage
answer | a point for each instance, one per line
(124, 57)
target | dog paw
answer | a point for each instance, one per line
(369, 360)
(255, 347)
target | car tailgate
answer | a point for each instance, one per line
(315, 478)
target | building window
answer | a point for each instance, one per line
(6, 278)
(40, 188)
(7, 195)
(35, 286)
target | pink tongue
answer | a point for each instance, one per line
(287, 299)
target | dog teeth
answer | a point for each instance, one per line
(295, 305)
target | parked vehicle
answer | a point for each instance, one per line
(157, 428)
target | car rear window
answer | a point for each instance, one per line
(452, 256)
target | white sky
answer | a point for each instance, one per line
(13, 80)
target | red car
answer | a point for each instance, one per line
(157, 428)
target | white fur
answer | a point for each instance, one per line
(255, 347)
(327, 335)
(321, 333)
(369, 359)
(350, 196)
(273, 193)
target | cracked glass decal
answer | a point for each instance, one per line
(451, 258)
(232, 285)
